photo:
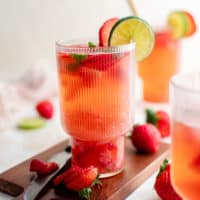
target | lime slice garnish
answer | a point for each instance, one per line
(177, 22)
(31, 123)
(133, 29)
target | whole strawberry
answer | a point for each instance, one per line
(160, 119)
(163, 184)
(45, 109)
(145, 138)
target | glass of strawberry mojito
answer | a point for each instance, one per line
(96, 87)
(185, 102)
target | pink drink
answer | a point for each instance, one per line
(185, 104)
(96, 99)
(186, 160)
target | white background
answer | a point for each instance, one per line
(29, 28)
(28, 31)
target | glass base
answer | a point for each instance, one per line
(109, 174)
(107, 156)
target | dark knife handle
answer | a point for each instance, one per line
(10, 188)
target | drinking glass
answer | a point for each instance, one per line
(185, 104)
(96, 89)
(158, 68)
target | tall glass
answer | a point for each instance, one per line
(96, 87)
(158, 68)
(185, 104)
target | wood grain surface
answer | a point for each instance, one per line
(138, 168)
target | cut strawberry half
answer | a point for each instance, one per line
(104, 31)
(79, 179)
(84, 179)
(43, 168)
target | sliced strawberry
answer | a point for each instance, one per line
(84, 154)
(69, 175)
(108, 156)
(36, 165)
(45, 109)
(84, 179)
(42, 168)
(79, 179)
(104, 31)
(145, 138)
(100, 62)
(105, 156)
(191, 28)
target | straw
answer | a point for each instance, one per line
(132, 7)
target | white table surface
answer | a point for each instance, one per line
(17, 146)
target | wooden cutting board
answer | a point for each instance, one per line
(138, 168)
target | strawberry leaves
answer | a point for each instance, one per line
(85, 193)
(151, 117)
(79, 57)
(78, 60)
(163, 166)
(91, 44)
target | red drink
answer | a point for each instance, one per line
(96, 99)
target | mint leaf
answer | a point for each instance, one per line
(78, 57)
(91, 44)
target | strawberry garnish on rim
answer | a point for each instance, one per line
(104, 31)
(191, 24)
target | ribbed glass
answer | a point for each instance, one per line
(96, 87)
(185, 106)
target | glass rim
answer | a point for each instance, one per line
(175, 82)
(65, 46)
